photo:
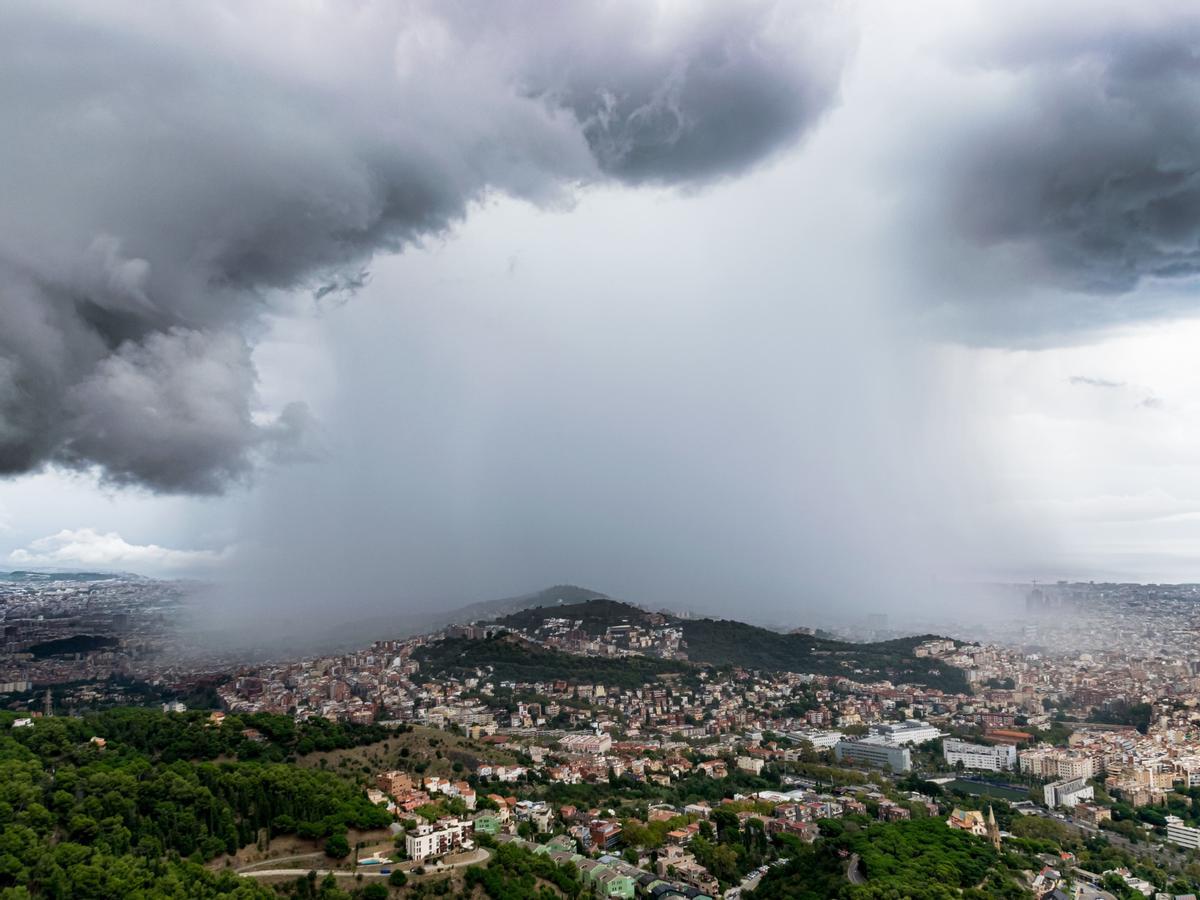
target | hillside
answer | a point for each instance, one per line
(918, 858)
(138, 817)
(594, 614)
(726, 642)
(513, 658)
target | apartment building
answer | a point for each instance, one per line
(1001, 757)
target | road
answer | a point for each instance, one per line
(854, 873)
(474, 858)
(281, 859)
(321, 873)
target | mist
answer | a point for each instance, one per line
(705, 422)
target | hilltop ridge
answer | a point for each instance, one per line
(728, 642)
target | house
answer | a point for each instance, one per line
(1046, 881)
(605, 835)
(968, 820)
(488, 823)
(750, 764)
(675, 862)
(610, 883)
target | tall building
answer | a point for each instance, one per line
(874, 751)
(1001, 757)
(1067, 792)
(908, 732)
(1182, 835)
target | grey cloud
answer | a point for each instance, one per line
(726, 92)
(176, 165)
(1078, 166)
(171, 411)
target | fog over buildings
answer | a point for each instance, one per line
(765, 310)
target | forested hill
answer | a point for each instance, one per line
(137, 815)
(727, 642)
(595, 615)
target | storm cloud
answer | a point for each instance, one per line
(1076, 166)
(174, 169)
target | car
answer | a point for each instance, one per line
(385, 871)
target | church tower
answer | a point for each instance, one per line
(993, 829)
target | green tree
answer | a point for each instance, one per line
(337, 847)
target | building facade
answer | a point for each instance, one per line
(1067, 792)
(1182, 835)
(875, 752)
(445, 837)
(999, 758)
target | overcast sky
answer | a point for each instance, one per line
(757, 307)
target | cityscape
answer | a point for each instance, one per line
(592, 733)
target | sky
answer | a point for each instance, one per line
(765, 309)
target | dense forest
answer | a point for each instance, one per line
(191, 735)
(918, 858)
(515, 659)
(724, 642)
(135, 818)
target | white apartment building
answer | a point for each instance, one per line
(1001, 757)
(750, 764)
(1075, 765)
(1040, 761)
(907, 732)
(820, 739)
(1051, 762)
(586, 743)
(1182, 835)
(1067, 792)
(445, 837)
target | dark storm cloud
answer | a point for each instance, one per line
(170, 167)
(723, 94)
(1081, 160)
